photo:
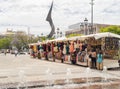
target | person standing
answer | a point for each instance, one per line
(52, 50)
(64, 49)
(71, 48)
(5, 52)
(55, 51)
(100, 60)
(16, 52)
(93, 58)
(38, 54)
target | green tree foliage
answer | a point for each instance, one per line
(43, 38)
(72, 35)
(112, 29)
(36, 39)
(5, 43)
(51, 38)
(20, 41)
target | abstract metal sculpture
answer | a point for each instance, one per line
(49, 19)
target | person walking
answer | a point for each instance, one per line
(16, 52)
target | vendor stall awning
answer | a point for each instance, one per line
(96, 36)
(58, 39)
(106, 34)
(61, 39)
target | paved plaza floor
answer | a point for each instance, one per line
(12, 68)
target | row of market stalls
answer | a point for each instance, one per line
(107, 42)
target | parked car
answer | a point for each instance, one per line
(22, 53)
(12, 51)
(8, 50)
(2, 50)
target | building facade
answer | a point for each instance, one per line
(85, 29)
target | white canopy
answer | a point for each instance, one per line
(77, 38)
(35, 43)
(74, 38)
(58, 39)
(96, 36)
(101, 35)
(61, 39)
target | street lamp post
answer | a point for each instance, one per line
(86, 28)
(92, 3)
(61, 34)
(82, 28)
(29, 35)
(41, 34)
(58, 32)
(89, 29)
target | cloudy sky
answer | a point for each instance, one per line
(21, 14)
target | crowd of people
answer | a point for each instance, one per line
(69, 50)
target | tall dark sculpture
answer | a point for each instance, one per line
(49, 19)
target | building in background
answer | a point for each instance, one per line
(85, 28)
(8, 32)
(11, 32)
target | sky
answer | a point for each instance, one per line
(24, 14)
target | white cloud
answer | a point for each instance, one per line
(65, 13)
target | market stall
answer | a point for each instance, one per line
(64, 48)
(107, 42)
(33, 49)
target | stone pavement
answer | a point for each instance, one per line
(13, 68)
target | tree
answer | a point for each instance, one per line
(112, 29)
(20, 41)
(5, 43)
(72, 35)
(44, 38)
(41, 38)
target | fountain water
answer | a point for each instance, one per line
(68, 79)
(50, 80)
(105, 74)
(22, 80)
(88, 70)
(68, 75)
(85, 80)
(105, 79)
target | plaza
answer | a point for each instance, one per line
(24, 68)
(54, 44)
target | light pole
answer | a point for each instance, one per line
(29, 35)
(28, 28)
(92, 3)
(41, 34)
(86, 28)
(58, 32)
(82, 28)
